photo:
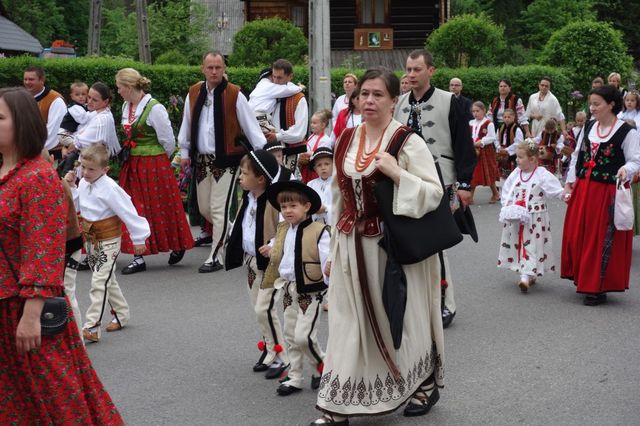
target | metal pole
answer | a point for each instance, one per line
(319, 56)
(95, 24)
(144, 49)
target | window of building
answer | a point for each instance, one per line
(373, 12)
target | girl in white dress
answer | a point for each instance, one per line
(525, 246)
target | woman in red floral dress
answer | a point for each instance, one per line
(43, 379)
(147, 175)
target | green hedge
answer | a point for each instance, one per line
(169, 83)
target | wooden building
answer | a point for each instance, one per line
(364, 32)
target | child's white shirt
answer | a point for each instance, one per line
(559, 142)
(548, 183)
(249, 225)
(518, 137)
(103, 199)
(489, 138)
(287, 264)
(323, 188)
(264, 95)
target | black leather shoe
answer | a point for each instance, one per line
(595, 299)
(83, 265)
(175, 257)
(413, 410)
(134, 267)
(260, 365)
(447, 317)
(284, 390)
(210, 267)
(275, 372)
(202, 241)
(315, 382)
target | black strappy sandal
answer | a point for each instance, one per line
(328, 419)
(426, 402)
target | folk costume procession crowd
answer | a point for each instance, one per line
(308, 228)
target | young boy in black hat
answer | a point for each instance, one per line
(254, 227)
(298, 255)
(321, 162)
(276, 148)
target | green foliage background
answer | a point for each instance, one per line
(587, 49)
(261, 42)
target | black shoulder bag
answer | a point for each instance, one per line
(412, 240)
(55, 312)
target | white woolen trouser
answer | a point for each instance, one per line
(301, 316)
(449, 300)
(70, 287)
(104, 287)
(264, 302)
(213, 204)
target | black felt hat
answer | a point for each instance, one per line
(321, 152)
(265, 163)
(293, 185)
(264, 74)
(465, 222)
(273, 146)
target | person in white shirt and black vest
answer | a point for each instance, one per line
(217, 117)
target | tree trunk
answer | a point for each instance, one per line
(95, 24)
(144, 49)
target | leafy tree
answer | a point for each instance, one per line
(42, 19)
(624, 17)
(179, 25)
(466, 40)
(588, 49)
(505, 13)
(119, 36)
(462, 7)
(542, 17)
(172, 57)
(261, 42)
(76, 23)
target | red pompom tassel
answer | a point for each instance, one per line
(444, 283)
(320, 367)
(261, 345)
(277, 348)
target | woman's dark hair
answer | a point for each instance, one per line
(610, 94)
(353, 99)
(505, 81)
(103, 89)
(30, 132)
(391, 81)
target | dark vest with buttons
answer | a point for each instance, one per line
(608, 159)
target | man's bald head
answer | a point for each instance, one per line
(455, 86)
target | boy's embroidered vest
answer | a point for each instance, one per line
(365, 207)
(145, 136)
(308, 270)
(510, 132)
(548, 139)
(510, 102)
(608, 159)
(287, 119)
(266, 223)
(226, 126)
(45, 100)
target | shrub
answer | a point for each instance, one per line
(172, 57)
(261, 42)
(467, 40)
(482, 83)
(587, 49)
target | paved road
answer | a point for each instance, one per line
(541, 358)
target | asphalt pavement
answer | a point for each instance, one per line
(540, 358)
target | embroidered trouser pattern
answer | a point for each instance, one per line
(264, 302)
(104, 287)
(214, 189)
(301, 316)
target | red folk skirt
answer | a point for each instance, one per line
(595, 262)
(153, 188)
(52, 385)
(486, 171)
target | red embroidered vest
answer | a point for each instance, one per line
(365, 206)
(482, 131)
